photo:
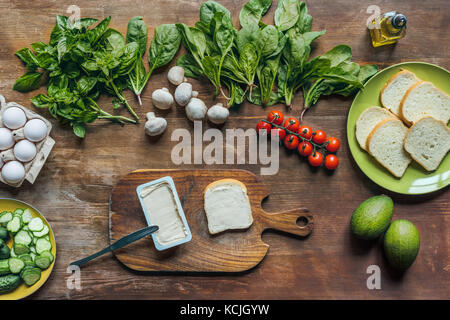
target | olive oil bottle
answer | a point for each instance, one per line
(392, 26)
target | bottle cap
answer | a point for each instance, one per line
(399, 21)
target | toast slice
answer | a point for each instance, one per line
(424, 99)
(393, 91)
(385, 144)
(428, 141)
(227, 206)
(368, 120)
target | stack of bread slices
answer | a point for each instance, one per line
(412, 125)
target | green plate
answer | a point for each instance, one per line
(416, 180)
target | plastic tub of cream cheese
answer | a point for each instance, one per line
(161, 205)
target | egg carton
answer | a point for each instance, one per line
(43, 148)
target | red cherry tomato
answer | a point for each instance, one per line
(305, 148)
(291, 141)
(279, 132)
(275, 117)
(333, 144)
(331, 162)
(305, 132)
(319, 137)
(263, 126)
(315, 159)
(292, 124)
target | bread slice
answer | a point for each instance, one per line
(428, 141)
(385, 144)
(368, 120)
(392, 93)
(227, 206)
(424, 99)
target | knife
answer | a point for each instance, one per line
(132, 237)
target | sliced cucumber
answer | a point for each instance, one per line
(42, 233)
(28, 259)
(20, 249)
(15, 265)
(33, 249)
(27, 216)
(14, 225)
(33, 255)
(4, 267)
(31, 275)
(23, 237)
(42, 262)
(43, 245)
(5, 217)
(19, 211)
(36, 224)
(47, 254)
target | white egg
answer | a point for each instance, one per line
(35, 130)
(14, 118)
(6, 139)
(13, 171)
(25, 150)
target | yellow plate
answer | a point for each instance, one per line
(23, 290)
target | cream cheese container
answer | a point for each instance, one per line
(161, 205)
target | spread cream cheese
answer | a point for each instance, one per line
(227, 206)
(160, 204)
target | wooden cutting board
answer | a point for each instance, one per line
(229, 251)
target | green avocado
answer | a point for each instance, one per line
(372, 217)
(401, 244)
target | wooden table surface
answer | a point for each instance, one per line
(74, 186)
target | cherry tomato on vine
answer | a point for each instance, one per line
(315, 159)
(279, 132)
(319, 137)
(333, 144)
(263, 126)
(331, 162)
(291, 141)
(305, 132)
(305, 148)
(276, 117)
(292, 124)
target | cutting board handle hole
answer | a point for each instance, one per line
(302, 222)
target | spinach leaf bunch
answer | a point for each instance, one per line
(267, 64)
(164, 46)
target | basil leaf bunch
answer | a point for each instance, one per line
(82, 61)
(79, 63)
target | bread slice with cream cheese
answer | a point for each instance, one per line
(368, 120)
(393, 91)
(385, 144)
(428, 142)
(424, 99)
(227, 206)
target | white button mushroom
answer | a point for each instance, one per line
(6, 139)
(25, 150)
(35, 130)
(14, 118)
(155, 125)
(13, 171)
(183, 93)
(176, 75)
(218, 114)
(196, 109)
(162, 99)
